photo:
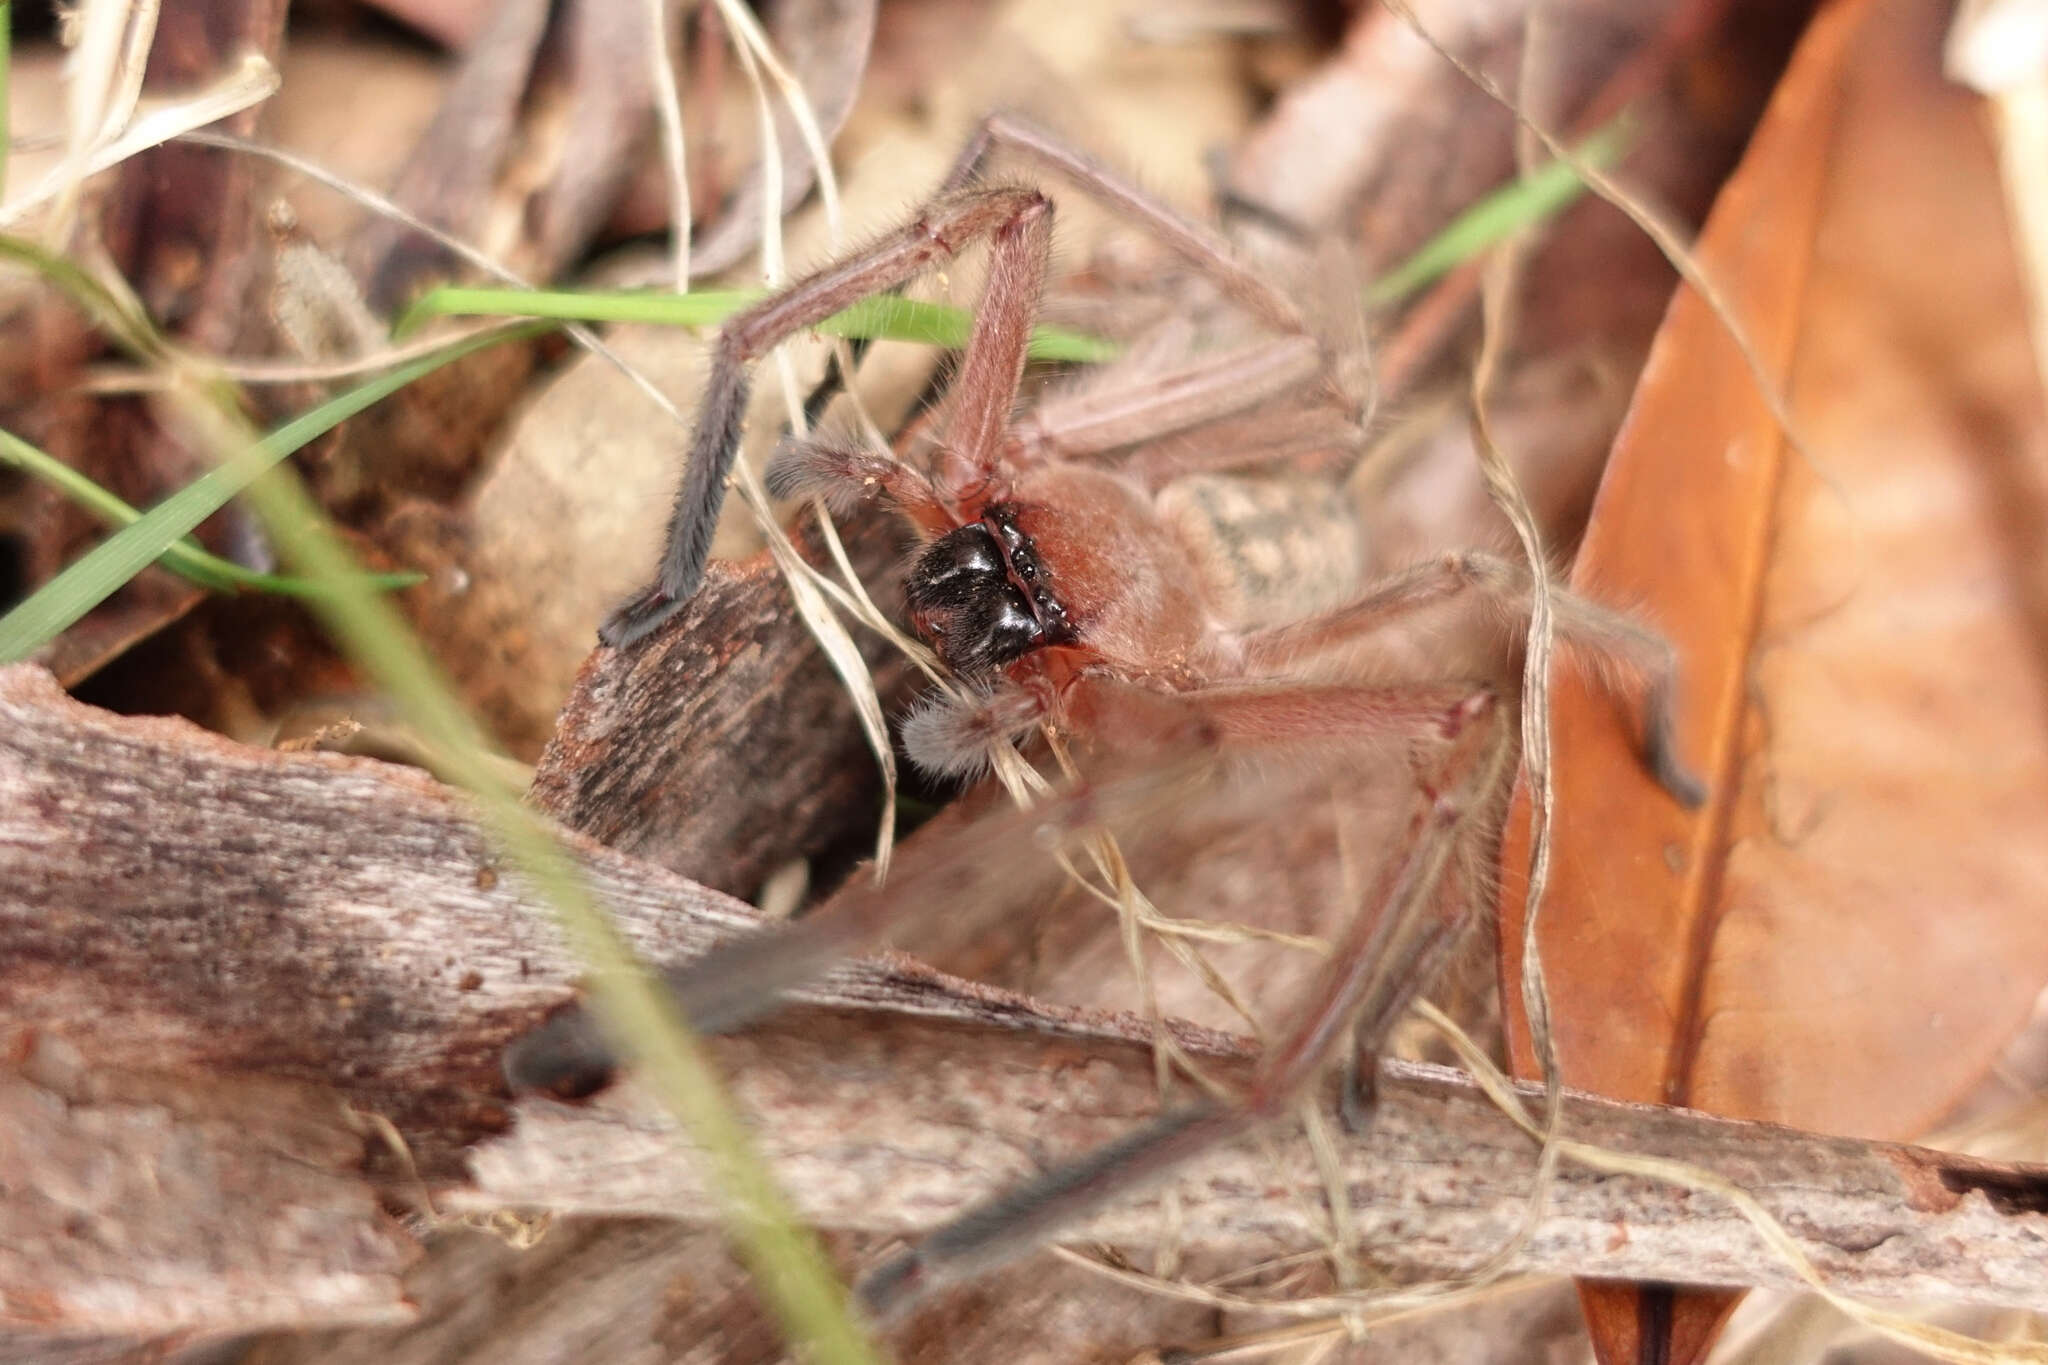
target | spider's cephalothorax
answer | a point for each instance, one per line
(981, 598)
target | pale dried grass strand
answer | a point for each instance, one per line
(252, 80)
(668, 110)
(109, 42)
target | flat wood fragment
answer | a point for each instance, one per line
(726, 742)
(192, 908)
(148, 1205)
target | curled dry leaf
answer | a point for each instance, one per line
(1850, 931)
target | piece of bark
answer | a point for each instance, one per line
(878, 1127)
(180, 902)
(726, 744)
(28, 1349)
(655, 1292)
(186, 905)
(150, 1205)
(645, 1289)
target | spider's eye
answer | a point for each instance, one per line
(984, 632)
(954, 570)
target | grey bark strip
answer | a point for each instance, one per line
(201, 913)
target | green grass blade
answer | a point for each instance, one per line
(101, 571)
(182, 557)
(884, 318)
(1517, 205)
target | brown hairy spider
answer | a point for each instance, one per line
(1069, 594)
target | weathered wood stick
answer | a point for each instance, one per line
(184, 907)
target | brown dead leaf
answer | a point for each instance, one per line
(1849, 932)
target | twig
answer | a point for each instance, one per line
(186, 905)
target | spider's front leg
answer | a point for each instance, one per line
(1119, 408)
(1164, 750)
(960, 883)
(1018, 221)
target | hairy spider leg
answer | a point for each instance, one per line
(1244, 442)
(1198, 246)
(1110, 417)
(1602, 635)
(1175, 741)
(1182, 734)
(750, 977)
(844, 474)
(937, 234)
(1369, 981)
(952, 736)
(1104, 417)
(1414, 954)
(984, 393)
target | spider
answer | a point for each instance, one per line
(1068, 592)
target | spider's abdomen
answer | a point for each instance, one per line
(1269, 550)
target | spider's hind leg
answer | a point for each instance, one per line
(1619, 649)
